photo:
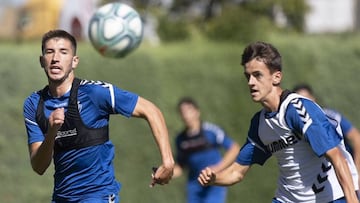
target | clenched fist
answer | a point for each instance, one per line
(206, 177)
(56, 119)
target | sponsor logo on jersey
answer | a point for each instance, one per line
(67, 133)
(283, 143)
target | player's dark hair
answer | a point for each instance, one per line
(303, 86)
(58, 34)
(264, 52)
(187, 100)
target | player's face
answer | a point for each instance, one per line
(189, 114)
(260, 81)
(58, 59)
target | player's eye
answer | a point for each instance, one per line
(64, 51)
(49, 51)
(257, 75)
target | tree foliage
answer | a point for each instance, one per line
(239, 20)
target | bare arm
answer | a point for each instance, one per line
(227, 177)
(353, 136)
(147, 110)
(343, 173)
(41, 152)
(228, 158)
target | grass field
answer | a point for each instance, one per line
(210, 72)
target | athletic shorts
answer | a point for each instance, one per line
(113, 198)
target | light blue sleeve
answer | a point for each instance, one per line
(308, 119)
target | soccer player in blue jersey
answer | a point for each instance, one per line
(199, 145)
(349, 131)
(68, 120)
(314, 165)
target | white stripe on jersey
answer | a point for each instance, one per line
(30, 121)
(219, 133)
(112, 95)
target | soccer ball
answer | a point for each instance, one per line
(115, 30)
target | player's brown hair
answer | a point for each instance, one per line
(187, 100)
(264, 52)
(58, 34)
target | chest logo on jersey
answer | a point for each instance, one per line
(283, 143)
(67, 133)
(195, 144)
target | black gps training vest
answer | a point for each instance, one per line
(194, 143)
(73, 134)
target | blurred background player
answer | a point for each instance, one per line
(198, 146)
(350, 132)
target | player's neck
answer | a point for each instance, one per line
(59, 89)
(193, 129)
(272, 101)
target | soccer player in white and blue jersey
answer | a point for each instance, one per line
(314, 165)
(68, 120)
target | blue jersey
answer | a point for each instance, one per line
(202, 150)
(86, 172)
(345, 125)
(197, 152)
(298, 135)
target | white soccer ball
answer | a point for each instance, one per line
(115, 30)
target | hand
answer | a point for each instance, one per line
(207, 177)
(56, 119)
(161, 175)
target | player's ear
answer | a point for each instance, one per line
(42, 61)
(277, 78)
(75, 61)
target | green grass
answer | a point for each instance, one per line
(210, 72)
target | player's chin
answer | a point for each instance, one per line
(255, 98)
(254, 95)
(56, 78)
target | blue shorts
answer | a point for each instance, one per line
(210, 194)
(113, 198)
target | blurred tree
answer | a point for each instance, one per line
(295, 11)
(278, 14)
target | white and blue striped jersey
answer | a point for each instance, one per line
(86, 172)
(298, 135)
